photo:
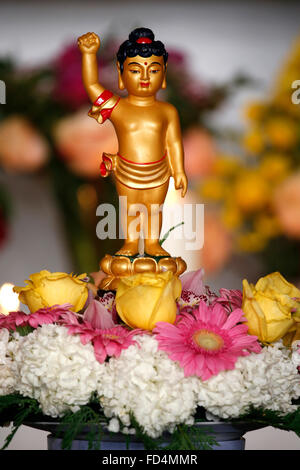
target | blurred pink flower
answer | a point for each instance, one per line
(199, 152)
(81, 142)
(176, 58)
(22, 147)
(98, 276)
(218, 245)
(69, 87)
(286, 203)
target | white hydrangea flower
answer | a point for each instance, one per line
(145, 382)
(269, 379)
(8, 376)
(57, 370)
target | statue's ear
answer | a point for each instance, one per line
(164, 83)
(120, 80)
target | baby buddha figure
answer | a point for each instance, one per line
(148, 132)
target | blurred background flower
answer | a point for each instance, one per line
(22, 147)
(81, 141)
(259, 197)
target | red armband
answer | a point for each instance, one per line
(101, 110)
(105, 96)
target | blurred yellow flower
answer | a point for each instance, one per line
(226, 165)
(268, 307)
(282, 132)
(267, 225)
(254, 141)
(251, 242)
(45, 289)
(250, 191)
(213, 189)
(275, 166)
(255, 111)
(143, 300)
(231, 216)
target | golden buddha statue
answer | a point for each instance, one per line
(150, 144)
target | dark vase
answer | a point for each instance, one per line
(228, 435)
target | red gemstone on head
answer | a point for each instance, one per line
(145, 63)
(144, 41)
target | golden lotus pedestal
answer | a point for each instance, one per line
(118, 266)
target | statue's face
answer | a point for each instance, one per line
(143, 76)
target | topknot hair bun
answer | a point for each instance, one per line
(141, 33)
(141, 42)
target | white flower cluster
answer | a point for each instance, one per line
(8, 377)
(269, 379)
(57, 370)
(61, 374)
(145, 382)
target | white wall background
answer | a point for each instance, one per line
(220, 38)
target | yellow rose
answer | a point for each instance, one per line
(268, 307)
(143, 300)
(45, 289)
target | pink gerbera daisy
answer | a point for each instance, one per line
(106, 341)
(41, 317)
(206, 341)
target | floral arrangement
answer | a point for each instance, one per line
(257, 191)
(183, 355)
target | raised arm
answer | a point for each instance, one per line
(103, 100)
(88, 45)
(175, 150)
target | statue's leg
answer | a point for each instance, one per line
(130, 223)
(154, 199)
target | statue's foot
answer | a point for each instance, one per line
(129, 249)
(154, 249)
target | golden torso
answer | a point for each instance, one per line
(142, 134)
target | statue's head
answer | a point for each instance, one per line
(142, 63)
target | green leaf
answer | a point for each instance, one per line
(166, 235)
(24, 330)
(17, 409)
